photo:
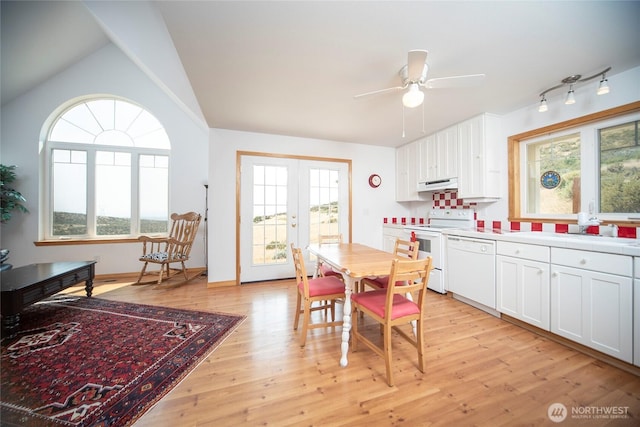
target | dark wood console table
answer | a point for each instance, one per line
(26, 285)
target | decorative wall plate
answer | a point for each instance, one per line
(550, 179)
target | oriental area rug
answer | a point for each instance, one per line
(79, 361)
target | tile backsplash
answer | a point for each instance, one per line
(449, 199)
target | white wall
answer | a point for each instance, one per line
(369, 205)
(625, 88)
(107, 71)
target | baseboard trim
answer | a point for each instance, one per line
(222, 284)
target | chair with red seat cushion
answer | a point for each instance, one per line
(322, 290)
(392, 309)
(403, 248)
(325, 270)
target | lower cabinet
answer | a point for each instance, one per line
(390, 234)
(636, 312)
(593, 307)
(523, 290)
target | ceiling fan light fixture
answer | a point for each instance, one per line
(414, 96)
(603, 87)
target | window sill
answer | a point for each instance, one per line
(65, 242)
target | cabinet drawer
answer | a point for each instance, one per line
(522, 250)
(596, 261)
(395, 231)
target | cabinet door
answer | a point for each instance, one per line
(507, 285)
(636, 319)
(523, 290)
(428, 159)
(471, 136)
(407, 173)
(535, 298)
(593, 309)
(479, 169)
(447, 153)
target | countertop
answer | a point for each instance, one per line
(588, 242)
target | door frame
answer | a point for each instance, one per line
(240, 154)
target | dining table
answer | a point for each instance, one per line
(355, 262)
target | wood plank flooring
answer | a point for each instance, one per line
(481, 370)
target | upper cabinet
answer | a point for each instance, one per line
(466, 151)
(407, 173)
(438, 155)
(479, 167)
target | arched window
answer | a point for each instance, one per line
(107, 169)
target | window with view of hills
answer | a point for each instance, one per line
(108, 169)
(594, 168)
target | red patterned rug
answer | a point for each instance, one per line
(81, 361)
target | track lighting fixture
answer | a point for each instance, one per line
(603, 88)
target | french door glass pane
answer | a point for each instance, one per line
(113, 193)
(269, 214)
(323, 203)
(69, 173)
(153, 194)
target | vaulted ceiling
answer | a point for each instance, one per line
(293, 68)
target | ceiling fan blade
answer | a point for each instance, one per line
(454, 81)
(377, 92)
(415, 64)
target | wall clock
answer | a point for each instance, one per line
(550, 179)
(375, 180)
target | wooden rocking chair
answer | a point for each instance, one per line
(173, 249)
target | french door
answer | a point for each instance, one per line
(285, 201)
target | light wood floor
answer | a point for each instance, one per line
(480, 370)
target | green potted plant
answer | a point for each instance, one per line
(10, 200)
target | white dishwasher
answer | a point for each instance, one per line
(471, 269)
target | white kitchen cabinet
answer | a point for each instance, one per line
(428, 153)
(592, 300)
(479, 174)
(522, 275)
(407, 173)
(636, 311)
(439, 155)
(390, 233)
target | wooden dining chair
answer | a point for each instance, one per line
(391, 309)
(402, 249)
(325, 270)
(316, 294)
(173, 249)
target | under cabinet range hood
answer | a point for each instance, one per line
(441, 184)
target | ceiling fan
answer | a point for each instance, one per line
(414, 77)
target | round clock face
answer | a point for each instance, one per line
(550, 179)
(375, 180)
